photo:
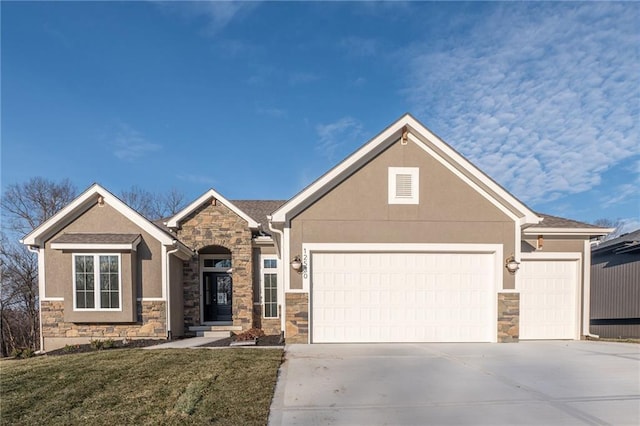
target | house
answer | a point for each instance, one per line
(403, 241)
(615, 287)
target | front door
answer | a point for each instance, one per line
(217, 293)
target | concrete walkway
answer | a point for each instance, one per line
(191, 342)
(533, 383)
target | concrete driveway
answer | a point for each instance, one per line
(534, 383)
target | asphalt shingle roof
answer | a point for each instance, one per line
(625, 242)
(550, 221)
(97, 238)
(258, 210)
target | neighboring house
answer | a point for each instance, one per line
(615, 287)
(403, 241)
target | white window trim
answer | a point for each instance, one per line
(263, 271)
(414, 172)
(96, 272)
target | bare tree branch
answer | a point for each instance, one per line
(27, 205)
(24, 207)
(153, 206)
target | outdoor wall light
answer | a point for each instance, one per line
(511, 264)
(296, 264)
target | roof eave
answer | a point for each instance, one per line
(81, 204)
(385, 138)
(174, 222)
(593, 232)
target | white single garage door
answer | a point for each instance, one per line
(548, 299)
(402, 297)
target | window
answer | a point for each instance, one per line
(217, 263)
(96, 281)
(404, 185)
(270, 287)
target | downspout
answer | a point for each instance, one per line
(280, 265)
(277, 231)
(168, 278)
(586, 292)
(36, 250)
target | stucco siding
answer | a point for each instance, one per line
(554, 244)
(357, 210)
(105, 219)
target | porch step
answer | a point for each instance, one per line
(214, 330)
(222, 334)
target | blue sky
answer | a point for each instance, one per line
(257, 100)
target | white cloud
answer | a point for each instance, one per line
(544, 99)
(625, 192)
(333, 135)
(217, 14)
(272, 112)
(129, 144)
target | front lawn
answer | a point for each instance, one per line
(135, 386)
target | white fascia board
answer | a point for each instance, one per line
(263, 240)
(465, 179)
(183, 252)
(81, 204)
(280, 215)
(85, 199)
(568, 231)
(404, 247)
(529, 215)
(79, 246)
(98, 246)
(175, 220)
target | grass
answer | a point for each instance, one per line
(135, 386)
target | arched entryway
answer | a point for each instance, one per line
(216, 284)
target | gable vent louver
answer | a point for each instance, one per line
(404, 184)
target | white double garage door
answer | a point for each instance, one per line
(434, 297)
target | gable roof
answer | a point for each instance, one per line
(559, 225)
(81, 204)
(432, 144)
(174, 222)
(259, 209)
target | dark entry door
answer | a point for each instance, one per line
(217, 293)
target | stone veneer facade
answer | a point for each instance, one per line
(214, 224)
(151, 323)
(270, 326)
(297, 320)
(508, 317)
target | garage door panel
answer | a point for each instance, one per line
(548, 299)
(396, 297)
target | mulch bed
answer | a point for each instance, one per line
(274, 340)
(117, 344)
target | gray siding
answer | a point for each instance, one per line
(615, 295)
